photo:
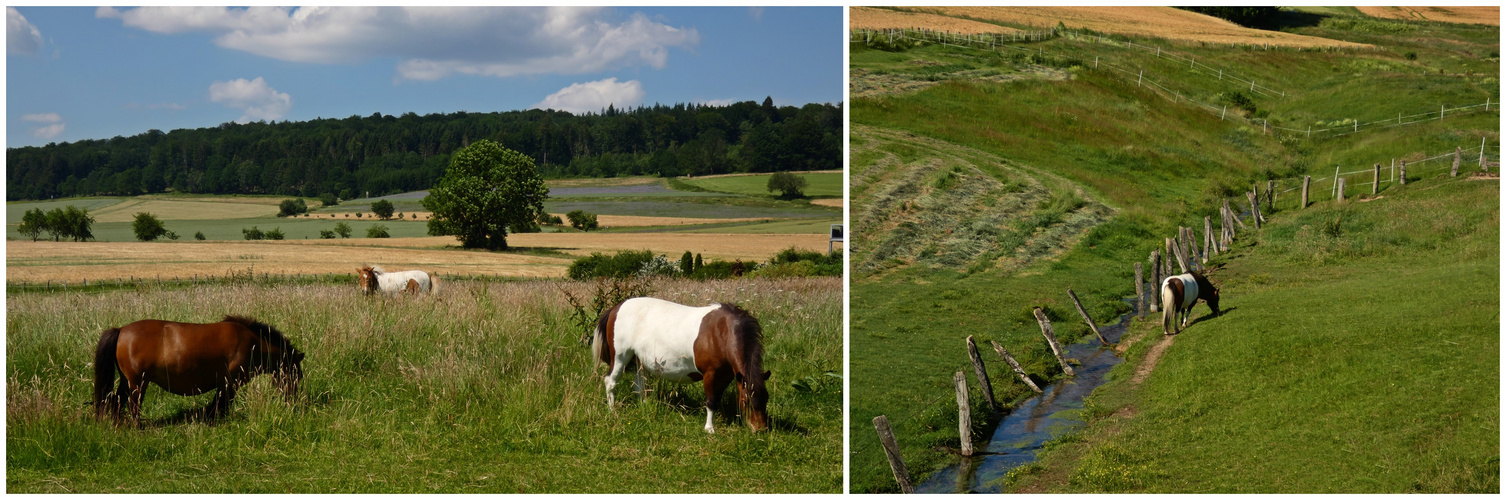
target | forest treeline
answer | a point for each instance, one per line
(384, 154)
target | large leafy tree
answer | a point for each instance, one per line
(383, 209)
(148, 227)
(486, 190)
(33, 223)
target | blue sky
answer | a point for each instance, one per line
(84, 73)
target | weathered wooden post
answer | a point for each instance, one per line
(1176, 251)
(891, 450)
(964, 415)
(1375, 186)
(982, 373)
(1040, 317)
(1015, 365)
(1307, 180)
(1155, 278)
(1254, 210)
(1270, 195)
(1403, 178)
(1340, 191)
(1209, 246)
(1139, 291)
(1084, 312)
(1455, 171)
(1235, 216)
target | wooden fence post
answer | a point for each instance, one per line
(1209, 247)
(1040, 317)
(1340, 189)
(1307, 180)
(1084, 312)
(1176, 251)
(1403, 178)
(1254, 210)
(1455, 171)
(983, 383)
(891, 450)
(1375, 186)
(1015, 365)
(1139, 291)
(1270, 195)
(964, 415)
(1155, 278)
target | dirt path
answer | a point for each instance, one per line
(1151, 358)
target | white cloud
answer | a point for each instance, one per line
(20, 36)
(594, 96)
(52, 125)
(429, 42)
(255, 98)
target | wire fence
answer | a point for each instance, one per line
(1325, 128)
(1480, 158)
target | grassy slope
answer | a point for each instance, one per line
(1366, 362)
(1160, 164)
(482, 390)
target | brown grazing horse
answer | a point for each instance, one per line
(1178, 295)
(189, 359)
(713, 345)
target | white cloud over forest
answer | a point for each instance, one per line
(256, 99)
(594, 96)
(429, 42)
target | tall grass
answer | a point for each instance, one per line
(484, 388)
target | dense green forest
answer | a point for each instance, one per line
(383, 154)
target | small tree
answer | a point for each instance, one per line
(687, 263)
(377, 231)
(789, 185)
(382, 209)
(56, 224)
(148, 227)
(291, 208)
(326, 234)
(342, 229)
(582, 220)
(253, 234)
(77, 223)
(274, 234)
(199, 236)
(698, 262)
(33, 224)
(329, 199)
(486, 189)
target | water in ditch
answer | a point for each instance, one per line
(1021, 433)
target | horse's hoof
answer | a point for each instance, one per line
(710, 430)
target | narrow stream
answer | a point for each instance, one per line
(1040, 419)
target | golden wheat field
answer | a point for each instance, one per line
(1490, 14)
(1155, 22)
(877, 19)
(45, 260)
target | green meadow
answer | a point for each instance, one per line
(482, 388)
(986, 183)
(818, 184)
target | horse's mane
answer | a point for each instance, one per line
(749, 334)
(376, 269)
(263, 331)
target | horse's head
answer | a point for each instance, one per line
(753, 397)
(1213, 302)
(366, 279)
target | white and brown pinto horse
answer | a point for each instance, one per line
(1178, 294)
(712, 345)
(373, 279)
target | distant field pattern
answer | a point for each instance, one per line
(1490, 14)
(1155, 22)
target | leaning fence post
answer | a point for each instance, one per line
(1254, 210)
(964, 415)
(1015, 365)
(891, 450)
(983, 383)
(1455, 171)
(1209, 244)
(1139, 291)
(1155, 277)
(1084, 312)
(1040, 317)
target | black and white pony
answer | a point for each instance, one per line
(1178, 294)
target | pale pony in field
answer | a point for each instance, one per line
(373, 279)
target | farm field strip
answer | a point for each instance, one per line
(877, 19)
(1156, 22)
(1489, 15)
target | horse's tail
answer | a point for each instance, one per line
(1169, 304)
(104, 368)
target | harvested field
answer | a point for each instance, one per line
(45, 260)
(877, 19)
(866, 83)
(1154, 22)
(1490, 15)
(217, 208)
(828, 202)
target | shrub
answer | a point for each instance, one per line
(687, 263)
(342, 229)
(377, 231)
(721, 269)
(622, 265)
(382, 209)
(326, 234)
(171, 235)
(148, 227)
(274, 234)
(582, 220)
(329, 199)
(820, 264)
(658, 266)
(790, 186)
(198, 235)
(253, 233)
(290, 207)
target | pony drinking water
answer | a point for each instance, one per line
(373, 279)
(713, 345)
(189, 359)
(1179, 293)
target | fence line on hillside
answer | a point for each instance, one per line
(1346, 126)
